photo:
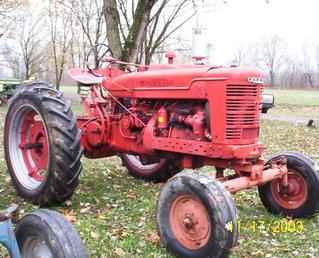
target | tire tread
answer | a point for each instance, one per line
(65, 138)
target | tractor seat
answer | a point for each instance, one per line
(84, 77)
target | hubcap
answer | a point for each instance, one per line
(28, 147)
(190, 223)
(292, 196)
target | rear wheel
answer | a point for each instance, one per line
(300, 198)
(196, 217)
(42, 145)
(156, 170)
(48, 234)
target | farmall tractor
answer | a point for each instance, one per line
(160, 119)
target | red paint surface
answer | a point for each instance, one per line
(205, 115)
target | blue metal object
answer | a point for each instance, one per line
(7, 236)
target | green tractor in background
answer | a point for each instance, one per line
(8, 88)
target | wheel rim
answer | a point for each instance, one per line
(36, 248)
(293, 196)
(28, 147)
(190, 223)
(146, 168)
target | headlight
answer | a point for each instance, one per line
(268, 99)
(267, 102)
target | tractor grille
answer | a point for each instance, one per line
(242, 111)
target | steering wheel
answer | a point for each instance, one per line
(96, 55)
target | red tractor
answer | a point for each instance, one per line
(160, 119)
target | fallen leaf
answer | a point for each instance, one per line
(120, 252)
(153, 237)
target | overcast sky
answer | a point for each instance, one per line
(243, 22)
(240, 23)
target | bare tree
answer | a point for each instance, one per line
(60, 33)
(7, 6)
(32, 46)
(240, 56)
(317, 59)
(89, 20)
(126, 38)
(291, 73)
(9, 13)
(307, 69)
(272, 53)
(10, 62)
(161, 26)
(142, 26)
(113, 27)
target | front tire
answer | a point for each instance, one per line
(42, 145)
(48, 234)
(301, 198)
(196, 217)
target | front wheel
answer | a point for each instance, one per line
(42, 144)
(48, 234)
(301, 197)
(196, 217)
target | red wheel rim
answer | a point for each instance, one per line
(34, 145)
(294, 195)
(190, 222)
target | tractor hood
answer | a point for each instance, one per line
(181, 77)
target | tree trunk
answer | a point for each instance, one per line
(272, 78)
(112, 19)
(27, 76)
(147, 55)
(309, 80)
(137, 30)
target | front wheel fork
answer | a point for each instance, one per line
(281, 164)
(260, 175)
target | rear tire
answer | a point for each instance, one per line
(302, 199)
(42, 144)
(48, 234)
(156, 172)
(196, 217)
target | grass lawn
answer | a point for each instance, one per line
(298, 103)
(296, 97)
(115, 214)
(69, 89)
